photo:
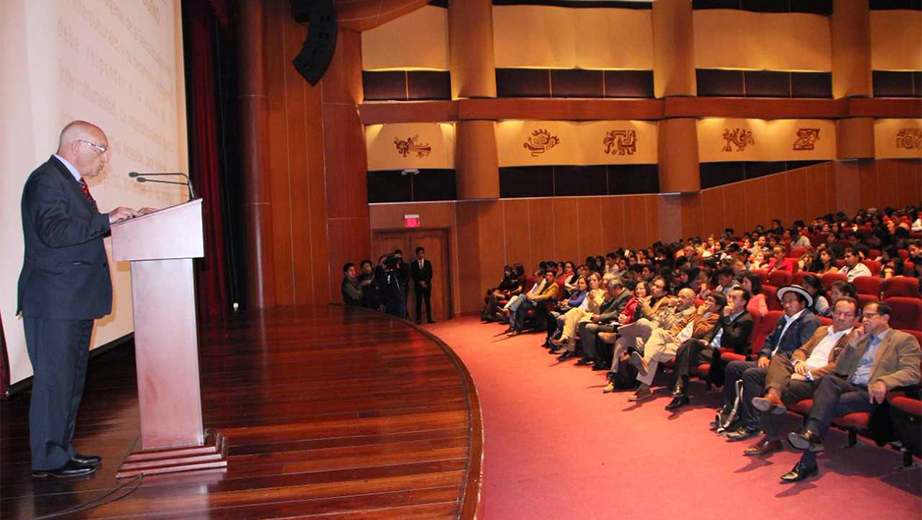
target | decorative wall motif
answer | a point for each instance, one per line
(806, 139)
(621, 142)
(540, 141)
(412, 146)
(909, 138)
(739, 137)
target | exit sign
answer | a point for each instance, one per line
(411, 221)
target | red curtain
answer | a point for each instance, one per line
(206, 174)
(4, 363)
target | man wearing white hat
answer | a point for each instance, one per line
(794, 329)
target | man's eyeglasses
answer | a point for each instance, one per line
(100, 149)
(869, 315)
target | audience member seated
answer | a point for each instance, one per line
(813, 285)
(590, 307)
(744, 379)
(605, 321)
(757, 307)
(790, 380)
(878, 359)
(546, 291)
(853, 264)
(663, 344)
(731, 331)
(555, 317)
(778, 261)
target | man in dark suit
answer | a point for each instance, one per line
(64, 285)
(794, 329)
(421, 272)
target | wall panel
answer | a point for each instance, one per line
(776, 193)
(887, 185)
(515, 230)
(611, 210)
(542, 230)
(691, 215)
(635, 221)
(868, 193)
(712, 211)
(735, 207)
(797, 197)
(756, 202)
(590, 227)
(566, 226)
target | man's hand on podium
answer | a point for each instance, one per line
(146, 211)
(121, 213)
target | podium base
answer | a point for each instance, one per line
(212, 454)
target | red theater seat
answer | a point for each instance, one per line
(771, 297)
(761, 331)
(798, 278)
(830, 278)
(868, 285)
(779, 278)
(763, 275)
(907, 312)
(798, 252)
(900, 286)
(864, 299)
(873, 265)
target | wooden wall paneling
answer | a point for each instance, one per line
(567, 222)
(611, 213)
(846, 181)
(469, 257)
(829, 171)
(408, 112)
(777, 196)
(887, 184)
(798, 205)
(298, 95)
(651, 207)
(316, 242)
(712, 211)
(279, 153)
(691, 215)
(909, 178)
(884, 107)
(590, 227)
(756, 108)
(635, 222)
(492, 243)
(670, 217)
(542, 232)
(560, 109)
(868, 181)
(735, 206)
(515, 230)
(815, 182)
(756, 202)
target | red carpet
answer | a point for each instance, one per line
(557, 448)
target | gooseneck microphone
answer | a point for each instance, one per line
(142, 177)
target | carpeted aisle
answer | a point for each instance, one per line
(557, 448)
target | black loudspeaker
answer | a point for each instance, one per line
(317, 52)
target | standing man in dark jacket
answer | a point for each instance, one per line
(421, 272)
(64, 285)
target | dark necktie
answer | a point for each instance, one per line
(86, 193)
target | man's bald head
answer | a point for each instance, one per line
(85, 146)
(686, 297)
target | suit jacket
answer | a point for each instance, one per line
(611, 309)
(421, 275)
(65, 272)
(735, 333)
(797, 334)
(896, 361)
(804, 352)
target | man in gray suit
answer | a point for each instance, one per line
(64, 285)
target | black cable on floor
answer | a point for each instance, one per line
(134, 484)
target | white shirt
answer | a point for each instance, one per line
(536, 290)
(859, 270)
(70, 167)
(820, 355)
(788, 320)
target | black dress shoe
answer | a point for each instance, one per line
(742, 433)
(430, 320)
(805, 440)
(601, 365)
(554, 349)
(583, 362)
(70, 469)
(677, 402)
(800, 472)
(88, 460)
(418, 321)
(565, 356)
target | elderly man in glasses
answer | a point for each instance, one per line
(64, 285)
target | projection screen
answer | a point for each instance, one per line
(115, 63)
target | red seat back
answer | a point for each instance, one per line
(765, 328)
(798, 252)
(900, 286)
(798, 278)
(830, 278)
(763, 275)
(918, 335)
(864, 299)
(873, 265)
(874, 253)
(771, 297)
(868, 285)
(780, 278)
(824, 320)
(904, 253)
(907, 312)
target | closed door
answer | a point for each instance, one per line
(435, 242)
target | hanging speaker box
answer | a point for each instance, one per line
(317, 53)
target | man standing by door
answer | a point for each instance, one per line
(421, 272)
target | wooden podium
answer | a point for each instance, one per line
(160, 247)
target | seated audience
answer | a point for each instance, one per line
(757, 306)
(586, 310)
(609, 312)
(813, 285)
(547, 292)
(853, 267)
(877, 360)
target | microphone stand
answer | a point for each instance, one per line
(142, 177)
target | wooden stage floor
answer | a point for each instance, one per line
(329, 412)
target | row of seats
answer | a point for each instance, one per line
(872, 285)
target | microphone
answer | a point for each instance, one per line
(142, 177)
